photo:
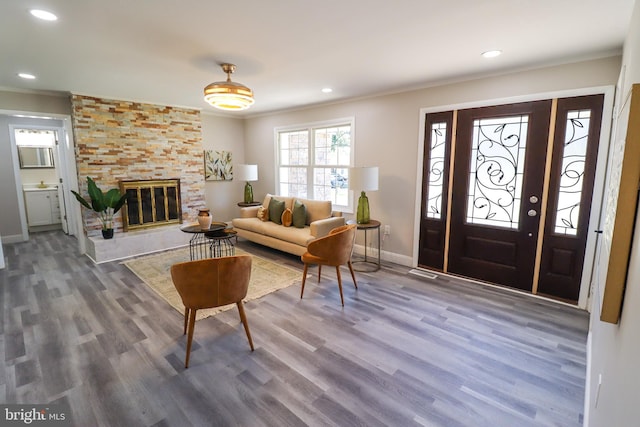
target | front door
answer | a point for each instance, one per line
(497, 189)
(513, 209)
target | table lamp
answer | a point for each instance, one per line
(247, 173)
(363, 179)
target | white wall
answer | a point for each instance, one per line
(223, 133)
(615, 349)
(387, 132)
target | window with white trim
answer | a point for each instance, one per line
(314, 160)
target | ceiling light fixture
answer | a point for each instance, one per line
(327, 90)
(229, 95)
(26, 76)
(491, 53)
(43, 14)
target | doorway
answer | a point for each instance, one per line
(510, 200)
(39, 161)
(59, 178)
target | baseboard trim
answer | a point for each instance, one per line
(15, 238)
(372, 253)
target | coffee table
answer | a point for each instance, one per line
(216, 241)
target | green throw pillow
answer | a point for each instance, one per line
(276, 207)
(299, 214)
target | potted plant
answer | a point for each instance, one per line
(104, 204)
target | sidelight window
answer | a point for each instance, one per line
(572, 172)
(435, 179)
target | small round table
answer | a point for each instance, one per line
(214, 242)
(371, 225)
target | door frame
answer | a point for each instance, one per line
(599, 182)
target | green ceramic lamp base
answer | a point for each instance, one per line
(362, 215)
(248, 193)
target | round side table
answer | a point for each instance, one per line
(366, 265)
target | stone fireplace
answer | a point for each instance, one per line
(150, 203)
(119, 140)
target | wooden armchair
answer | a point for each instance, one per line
(335, 249)
(209, 283)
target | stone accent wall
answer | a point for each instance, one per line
(118, 140)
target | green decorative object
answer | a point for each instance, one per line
(248, 193)
(247, 173)
(299, 214)
(363, 179)
(276, 207)
(362, 216)
(104, 204)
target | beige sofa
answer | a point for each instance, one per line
(320, 219)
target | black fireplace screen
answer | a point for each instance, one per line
(151, 203)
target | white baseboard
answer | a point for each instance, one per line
(372, 253)
(587, 385)
(15, 238)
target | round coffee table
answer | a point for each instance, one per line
(216, 241)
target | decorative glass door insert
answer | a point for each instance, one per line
(496, 171)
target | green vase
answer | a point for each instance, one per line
(362, 216)
(248, 193)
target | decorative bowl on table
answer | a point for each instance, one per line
(217, 229)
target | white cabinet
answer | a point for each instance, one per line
(43, 207)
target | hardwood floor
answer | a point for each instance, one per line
(404, 350)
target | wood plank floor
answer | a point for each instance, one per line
(404, 351)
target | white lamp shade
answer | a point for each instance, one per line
(363, 179)
(246, 172)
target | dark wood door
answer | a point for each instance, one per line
(497, 191)
(575, 151)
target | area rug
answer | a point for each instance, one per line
(154, 270)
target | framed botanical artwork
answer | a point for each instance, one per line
(217, 165)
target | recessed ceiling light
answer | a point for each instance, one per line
(491, 53)
(26, 76)
(43, 14)
(327, 90)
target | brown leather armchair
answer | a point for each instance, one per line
(334, 249)
(209, 283)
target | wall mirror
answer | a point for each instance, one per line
(35, 157)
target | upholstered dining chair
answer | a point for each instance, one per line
(210, 283)
(334, 249)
